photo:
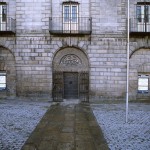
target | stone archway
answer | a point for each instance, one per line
(70, 75)
(139, 66)
(7, 66)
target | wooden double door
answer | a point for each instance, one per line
(70, 85)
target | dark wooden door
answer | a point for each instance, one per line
(70, 85)
(84, 86)
(58, 86)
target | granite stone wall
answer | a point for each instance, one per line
(33, 47)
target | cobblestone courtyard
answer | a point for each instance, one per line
(19, 118)
(134, 135)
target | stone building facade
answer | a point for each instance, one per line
(74, 49)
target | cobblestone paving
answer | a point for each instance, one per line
(18, 118)
(134, 135)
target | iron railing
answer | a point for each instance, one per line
(80, 25)
(8, 25)
(139, 25)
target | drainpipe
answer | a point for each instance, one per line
(127, 86)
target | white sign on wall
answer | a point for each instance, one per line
(143, 82)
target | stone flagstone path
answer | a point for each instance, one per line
(68, 127)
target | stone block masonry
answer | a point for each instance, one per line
(33, 66)
(31, 51)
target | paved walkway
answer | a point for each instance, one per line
(67, 127)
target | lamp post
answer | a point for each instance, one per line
(127, 83)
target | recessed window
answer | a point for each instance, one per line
(66, 14)
(70, 16)
(4, 10)
(143, 16)
(138, 13)
(2, 80)
(3, 15)
(142, 13)
(70, 13)
(143, 83)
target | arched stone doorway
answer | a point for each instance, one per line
(70, 75)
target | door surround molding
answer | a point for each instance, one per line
(69, 60)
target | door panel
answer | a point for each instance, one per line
(70, 85)
(84, 86)
(58, 86)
